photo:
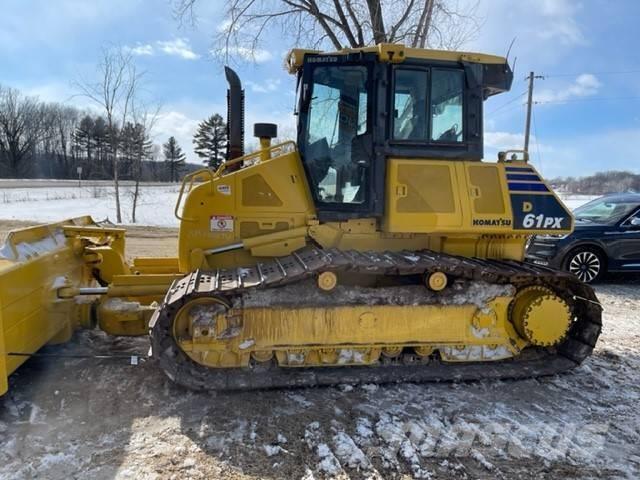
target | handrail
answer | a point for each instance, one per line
(503, 156)
(191, 177)
(254, 156)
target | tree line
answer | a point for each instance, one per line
(599, 183)
(51, 140)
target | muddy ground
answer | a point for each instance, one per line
(103, 419)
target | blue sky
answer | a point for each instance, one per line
(588, 118)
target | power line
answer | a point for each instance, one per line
(611, 72)
(506, 110)
(587, 99)
(507, 103)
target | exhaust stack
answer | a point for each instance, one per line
(235, 115)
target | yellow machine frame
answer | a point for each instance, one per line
(59, 277)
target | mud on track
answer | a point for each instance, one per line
(87, 418)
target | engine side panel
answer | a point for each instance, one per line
(261, 199)
(475, 198)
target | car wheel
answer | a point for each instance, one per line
(588, 264)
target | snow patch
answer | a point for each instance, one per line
(347, 451)
(347, 355)
(474, 353)
(27, 250)
(118, 305)
(306, 293)
(248, 343)
(272, 450)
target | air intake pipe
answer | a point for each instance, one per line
(235, 115)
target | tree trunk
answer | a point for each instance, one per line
(116, 182)
(377, 22)
(135, 199)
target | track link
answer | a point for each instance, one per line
(532, 362)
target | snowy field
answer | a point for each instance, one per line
(48, 201)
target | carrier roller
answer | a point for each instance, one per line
(206, 334)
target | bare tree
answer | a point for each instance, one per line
(20, 131)
(145, 118)
(59, 123)
(115, 92)
(340, 23)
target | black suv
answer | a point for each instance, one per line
(606, 239)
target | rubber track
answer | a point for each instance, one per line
(532, 362)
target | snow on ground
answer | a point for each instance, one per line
(49, 202)
(104, 419)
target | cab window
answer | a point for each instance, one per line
(428, 111)
(337, 121)
(446, 105)
(410, 105)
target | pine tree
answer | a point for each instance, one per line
(210, 141)
(174, 158)
(83, 137)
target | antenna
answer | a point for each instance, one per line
(509, 49)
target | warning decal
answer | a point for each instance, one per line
(224, 189)
(222, 223)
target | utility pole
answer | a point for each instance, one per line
(527, 128)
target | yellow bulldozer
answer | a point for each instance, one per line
(377, 248)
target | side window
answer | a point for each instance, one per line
(336, 126)
(410, 104)
(447, 87)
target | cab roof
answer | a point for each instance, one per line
(397, 53)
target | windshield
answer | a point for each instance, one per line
(605, 210)
(334, 142)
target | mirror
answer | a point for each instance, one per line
(635, 221)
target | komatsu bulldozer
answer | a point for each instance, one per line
(377, 248)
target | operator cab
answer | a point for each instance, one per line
(358, 108)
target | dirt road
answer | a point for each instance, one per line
(87, 418)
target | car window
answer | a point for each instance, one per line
(605, 210)
(633, 219)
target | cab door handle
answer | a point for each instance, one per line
(401, 191)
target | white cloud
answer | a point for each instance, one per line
(140, 49)
(503, 140)
(612, 149)
(508, 141)
(223, 26)
(584, 85)
(266, 86)
(178, 47)
(560, 23)
(575, 156)
(177, 124)
(545, 31)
